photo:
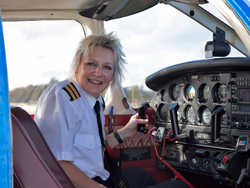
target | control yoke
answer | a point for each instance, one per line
(174, 120)
(142, 115)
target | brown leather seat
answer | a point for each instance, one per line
(33, 162)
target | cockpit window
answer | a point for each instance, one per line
(157, 38)
(38, 53)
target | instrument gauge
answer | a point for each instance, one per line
(189, 92)
(220, 92)
(190, 114)
(206, 92)
(206, 116)
(175, 92)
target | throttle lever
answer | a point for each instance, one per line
(142, 115)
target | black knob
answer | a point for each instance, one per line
(201, 153)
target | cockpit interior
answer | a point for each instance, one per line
(206, 105)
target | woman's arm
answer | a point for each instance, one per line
(128, 131)
(78, 177)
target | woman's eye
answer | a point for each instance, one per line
(91, 64)
(108, 67)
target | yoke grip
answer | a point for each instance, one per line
(142, 115)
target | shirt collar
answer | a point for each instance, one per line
(91, 100)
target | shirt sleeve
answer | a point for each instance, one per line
(57, 118)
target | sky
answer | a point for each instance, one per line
(152, 40)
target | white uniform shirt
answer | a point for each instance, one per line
(70, 128)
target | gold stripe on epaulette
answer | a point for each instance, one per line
(73, 88)
(72, 91)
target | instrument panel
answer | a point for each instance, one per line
(197, 96)
(214, 110)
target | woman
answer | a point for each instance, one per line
(67, 118)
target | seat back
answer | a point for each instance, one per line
(33, 162)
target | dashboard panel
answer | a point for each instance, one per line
(213, 98)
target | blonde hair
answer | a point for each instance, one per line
(109, 41)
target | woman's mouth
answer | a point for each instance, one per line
(95, 81)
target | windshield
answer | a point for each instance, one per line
(155, 41)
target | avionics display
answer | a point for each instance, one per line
(244, 108)
(244, 95)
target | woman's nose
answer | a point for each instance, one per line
(98, 71)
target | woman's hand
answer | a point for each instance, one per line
(130, 129)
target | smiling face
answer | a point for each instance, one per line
(96, 71)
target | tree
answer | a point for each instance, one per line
(137, 95)
(30, 93)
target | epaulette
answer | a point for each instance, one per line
(72, 91)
